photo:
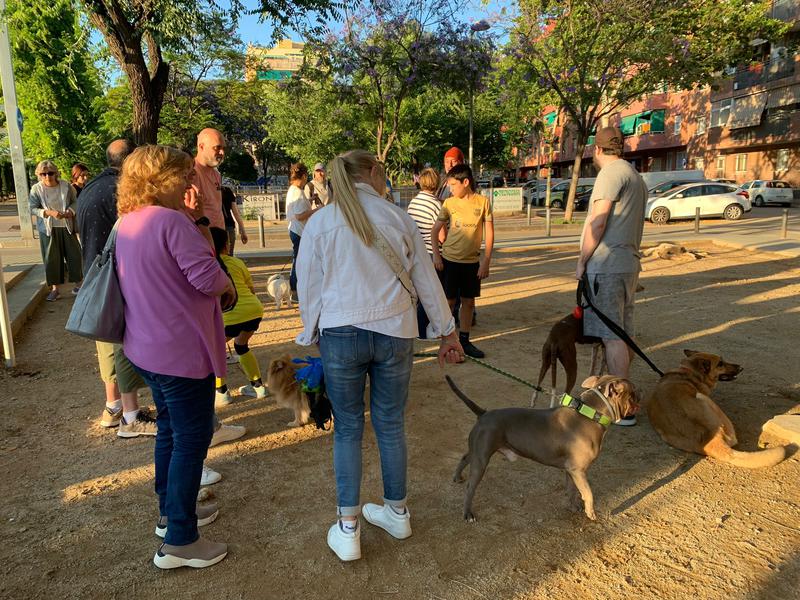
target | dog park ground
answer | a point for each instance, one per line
(78, 512)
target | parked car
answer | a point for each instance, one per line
(723, 180)
(654, 178)
(668, 185)
(713, 199)
(558, 198)
(535, 190)
(763, 192)
(486, 183)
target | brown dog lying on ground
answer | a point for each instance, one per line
(287, 392)
(560, 346)
(560, 437)
(684, 415)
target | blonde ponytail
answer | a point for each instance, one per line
(343, 169)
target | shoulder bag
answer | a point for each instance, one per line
(99, 309)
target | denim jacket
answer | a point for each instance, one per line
(342, 282)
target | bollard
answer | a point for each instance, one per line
(785, 225)
(547, 221)
(697, 220)
(529, 213)
(261, 239)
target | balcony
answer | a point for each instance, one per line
(764, 72)
(786, 10)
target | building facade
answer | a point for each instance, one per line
(747, 127)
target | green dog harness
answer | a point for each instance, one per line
(585, 410)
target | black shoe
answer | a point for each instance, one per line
(471, 350)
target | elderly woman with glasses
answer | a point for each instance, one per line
(52, 201)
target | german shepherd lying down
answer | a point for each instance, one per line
(683, 414)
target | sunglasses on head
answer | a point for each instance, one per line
(47, 174)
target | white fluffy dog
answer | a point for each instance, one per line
(278, 288)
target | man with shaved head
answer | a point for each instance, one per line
(208, 182)
(97, 213)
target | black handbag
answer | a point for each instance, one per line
(99, 309)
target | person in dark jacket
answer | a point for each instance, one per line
(97, 213)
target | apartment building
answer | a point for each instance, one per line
(278, 62)
(747, 127)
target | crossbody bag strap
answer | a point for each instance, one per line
(391, 257)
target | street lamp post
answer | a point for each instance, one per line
(475, 27)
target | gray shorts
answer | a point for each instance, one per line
(614, 298)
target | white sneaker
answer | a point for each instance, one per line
(347, 546)
(230, 357)
(259, 392)
(210, 476)
(627, 421)
(222, 399)
(227, 433)
(398, 526)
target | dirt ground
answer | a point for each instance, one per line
(78, 511)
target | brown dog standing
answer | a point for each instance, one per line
(560, 437)
(683, 414)
(287, 392)
(560, 346)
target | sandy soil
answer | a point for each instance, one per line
(77, 510)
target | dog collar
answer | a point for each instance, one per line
(585, 410)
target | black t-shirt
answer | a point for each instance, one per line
(228, 198)
(97, 213)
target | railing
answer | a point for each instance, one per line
(759, 73)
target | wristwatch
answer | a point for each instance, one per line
(203, 221)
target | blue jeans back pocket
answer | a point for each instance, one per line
(340, 345)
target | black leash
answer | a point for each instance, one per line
(584, 291)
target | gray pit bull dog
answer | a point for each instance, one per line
(568, 436)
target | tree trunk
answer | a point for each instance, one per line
(573, 186)
(147, 85)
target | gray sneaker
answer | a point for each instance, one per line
(205, 515)
(143, 425)
(199, 554)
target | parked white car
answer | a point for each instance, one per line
(762, 192)
(713, 199)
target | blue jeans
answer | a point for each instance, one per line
(185, 426)
(350, 354)
(295, 249)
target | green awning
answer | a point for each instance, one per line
(550, 118)
(657, 121)
(628, 125)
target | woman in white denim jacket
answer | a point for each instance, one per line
(364, 319)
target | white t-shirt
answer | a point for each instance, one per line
(296, 203)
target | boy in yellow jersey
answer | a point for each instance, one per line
(240, 323)
(466, 214)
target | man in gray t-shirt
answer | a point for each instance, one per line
(610, 248)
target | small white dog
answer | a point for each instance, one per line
(278, 288)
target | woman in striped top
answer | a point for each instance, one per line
(425, 207)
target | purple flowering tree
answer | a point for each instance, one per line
(388, 52)
(593, 58)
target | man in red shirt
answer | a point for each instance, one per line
(208, 182)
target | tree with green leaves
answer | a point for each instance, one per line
(140, 34)
(57, 83)
(595, 58)
(387, 53)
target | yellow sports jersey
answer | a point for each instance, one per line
(248, 306)
(465, 234)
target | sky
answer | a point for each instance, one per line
(251, 31)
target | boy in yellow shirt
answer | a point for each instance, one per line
(467, 214)
(240, 323)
